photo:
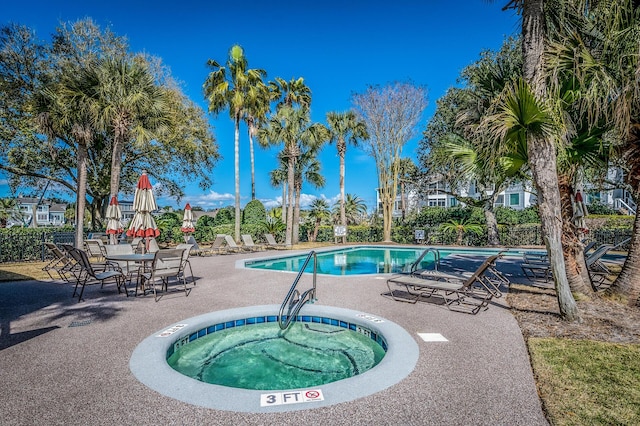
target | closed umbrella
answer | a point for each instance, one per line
(579, 213)
(143, 225)
(187, 220)
(113, 216)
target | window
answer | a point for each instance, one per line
(453, 202)
(500, 200)
(514, 199)
(437, 202)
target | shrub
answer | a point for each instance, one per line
(254, 212)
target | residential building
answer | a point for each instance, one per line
(47, 212)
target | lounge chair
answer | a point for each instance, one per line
(61, 263)
(247, 240)
(536, 267)
(232, 246)
(272, 243)
(216, 247)
(474, 291)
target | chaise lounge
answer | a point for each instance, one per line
(457, 291)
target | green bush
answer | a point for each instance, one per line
(254, 212)
(225, 216)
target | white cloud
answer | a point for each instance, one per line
(211, 200)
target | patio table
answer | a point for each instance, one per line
(140, 259)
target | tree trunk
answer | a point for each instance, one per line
(343, 215)
(236, 228)
(573, 250)
(81, 195)
(253, 170)
(542, 157)
(283, 213)
(493, 236)
(116, 167)
(295, 229)
(290, 188)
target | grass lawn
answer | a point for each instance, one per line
(584, 382)
(20, 271)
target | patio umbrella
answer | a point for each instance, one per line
(187, 220)
(113, 216)
(143, 225)
(579, 213)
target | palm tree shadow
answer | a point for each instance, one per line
(8, 340)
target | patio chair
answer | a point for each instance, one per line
(216, 247)
(95, 248)
(88, 274)
(185, 260)
(474, 291)
(232, 246)
(61, 263)
(536, 267)
(247, 240)
(166, 264)
(272, 243)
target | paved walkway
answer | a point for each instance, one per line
(63, 362)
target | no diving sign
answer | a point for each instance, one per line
(290, 397)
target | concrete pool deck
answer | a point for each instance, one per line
(63, 362)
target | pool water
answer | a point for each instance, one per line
(360, 260)
(264, 357)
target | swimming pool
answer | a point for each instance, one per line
(362, 260)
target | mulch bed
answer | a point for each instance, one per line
(537, 313)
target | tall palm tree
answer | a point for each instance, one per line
(345, 128)
(319, 212)
(130, 105)
(290, 126)
(541, 149)
(601, 52)
(236, 88)
(406, 169)
(255, 116)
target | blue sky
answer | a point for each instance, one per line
(338, 47)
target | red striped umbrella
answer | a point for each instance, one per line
(143, 224)
(187, 220)
(113, 216)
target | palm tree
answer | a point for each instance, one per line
(460, 227)
(601, 52)
(355, 209)
(238, 89)
(290, 126)
(130, 105)
(345, 128)
(279, 178)
(255, 116)
(290, 93)
(541, 149)
(406, 169)
(319, 212)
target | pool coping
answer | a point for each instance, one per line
(149, 365)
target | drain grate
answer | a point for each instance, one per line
(79, 323)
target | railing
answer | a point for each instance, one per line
(436, 259)
(629, 206)
(294, 300)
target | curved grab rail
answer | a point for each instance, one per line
(294, 299)
(436, 259)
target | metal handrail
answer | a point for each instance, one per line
(294, 299)
(436, 259)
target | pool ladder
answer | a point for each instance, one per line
(295, 300)
(436, 259)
